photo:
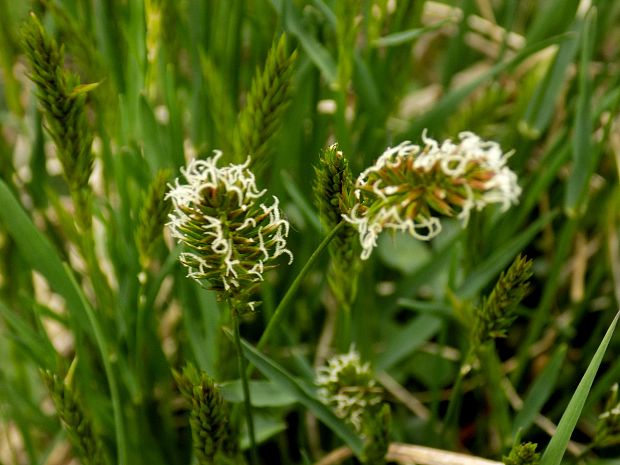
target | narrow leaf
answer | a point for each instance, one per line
(557, 446)
(539, 392)
(318, 54)
(583, 153)
(408, 339)
(39, 253)
(402, 37)
(304, 395)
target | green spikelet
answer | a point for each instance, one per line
(153, 216)
(79, 428)
(522, 454)
(333, 195)
(214, 440)
(63, 102)
(260, 118)
(493, 318)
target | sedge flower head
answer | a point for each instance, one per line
(410, 187)
(231, 236)
(348, 386)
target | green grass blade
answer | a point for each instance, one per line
(539, 392)
(543, 104)
(402, 37)
(106, 358)
(39, 252)
(303, 394)
(408, 339)
(555, 450)
(583, 155)
(501, 258)
(445, 107)
(264, 393)
(35, 345)
(318, 54)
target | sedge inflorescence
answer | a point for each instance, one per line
(231, 236)
(410, 187)
(348, 386)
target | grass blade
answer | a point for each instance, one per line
(454, 98)
(408, 339)
(500, 259)
(583, 154)
(555, 450)
(539, 392)
(543, 104)
(304, 395)
(402, 37)
(39, 252)
(319, 55)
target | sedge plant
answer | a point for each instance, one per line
(444, 174)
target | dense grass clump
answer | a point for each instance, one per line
(309, 232)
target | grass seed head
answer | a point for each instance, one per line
(410, 187)
(232, 237)
(348, 386)
(214, 440)
(86, 444)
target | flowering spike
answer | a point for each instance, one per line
(232, 238)
(348, 386)
(409, 187)
(492, 319)
(333, 194)
(214, 437)
(79, 427)
(63, 102)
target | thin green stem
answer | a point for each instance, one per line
(454, 404)
(279, 313)
(97, 278)
(102, 344)
(245, 385)
(140, 328)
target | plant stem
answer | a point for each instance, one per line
(244, 383)
(106, 355)
(276, 319)
(454, 404)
